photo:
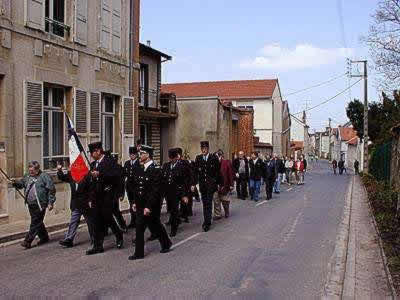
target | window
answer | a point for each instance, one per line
(108, 121)
(144, 84)
(110, 38)
(144, 133)
(55, 17)
(53, 125)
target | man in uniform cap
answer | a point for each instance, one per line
(207, 169)
(187, 202)
(175, 187)
(106, 178)
(129, 172)
(148, 201)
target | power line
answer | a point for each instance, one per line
(326, 101)
(315, 86)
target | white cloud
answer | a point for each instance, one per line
(303, 56)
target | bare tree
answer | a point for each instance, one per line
(384, 41)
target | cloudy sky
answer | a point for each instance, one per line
(302, 43)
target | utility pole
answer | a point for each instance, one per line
(365, 137)
(329, 132)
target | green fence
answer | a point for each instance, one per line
(379, 165)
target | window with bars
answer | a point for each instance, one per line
(53, 126)
(55, 17)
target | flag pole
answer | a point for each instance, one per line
(9, 179)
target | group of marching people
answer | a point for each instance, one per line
(97, 195)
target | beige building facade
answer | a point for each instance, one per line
(80, 57)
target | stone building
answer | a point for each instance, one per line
(81, 57)
(286, 125)
(262, 96)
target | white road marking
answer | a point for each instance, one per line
(261, 203)
(186, 240)
(289, 189)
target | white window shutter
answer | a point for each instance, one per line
(95, 111)
(34, 14)
(105, 31)
(116, 26)
(80, 111)
(81, 21)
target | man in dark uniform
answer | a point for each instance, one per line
(129, 171)
(207, 169)
(105, 175)
(186, 210)
(175, 186)
(148, 201)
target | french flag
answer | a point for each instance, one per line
(79, 164)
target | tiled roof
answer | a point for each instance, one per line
(297, 145)
(347, 133)
(353, 141)
(223, 89)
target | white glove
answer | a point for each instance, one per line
(237, 175)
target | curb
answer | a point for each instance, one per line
(382, 251)
(334, 284)
(16, 237)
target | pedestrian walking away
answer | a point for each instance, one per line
(241, 169)
(148, 201)
(40, 195)
(269, 177)
(186, 202)
(341, 166)
(225, 185)
(334, 166)
(207, 172)
(256, 168)
(279, 170)
(130, 167)
(106, 178)
(356, 167)
(82, 194)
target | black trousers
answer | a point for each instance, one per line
(187, 208)
(104, 219)
(207, 199)
(156, 228)
(37, 227)
(132, 212)
(269, 185)
(241, 186)
(173, 205)
(118, 215)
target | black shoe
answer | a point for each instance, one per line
(134, 257)
(173, 233)
(44, 241)
(166, 250)
(26, 245)
(66, 243)
(120, 243)
(206, 228)
(152, 238)
(94, 251)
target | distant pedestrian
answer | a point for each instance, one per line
(300, 171)
(269, 177)
(40, 194)
(305, 164)
(256, 167)
(225, 185)
(288, 169)
(341, 166)
(356, 167)
(279, 169)
(241, 169)
(334, 166)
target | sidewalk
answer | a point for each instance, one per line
(357, 269)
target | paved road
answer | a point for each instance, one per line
(278, 249)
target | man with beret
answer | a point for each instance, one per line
(207, 169)
(129, 172)
(175, 187)
(148, 201)
(106, 177)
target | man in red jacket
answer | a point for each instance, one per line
(225, 185)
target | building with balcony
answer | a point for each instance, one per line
(156, 110)
(72, 56)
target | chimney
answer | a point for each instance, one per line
(149, 43)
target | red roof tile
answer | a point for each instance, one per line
(223, 89)
(353, 141)
(297, 145)
(347, 133)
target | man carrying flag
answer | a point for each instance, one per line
(82, 189)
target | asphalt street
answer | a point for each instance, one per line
(269, 250)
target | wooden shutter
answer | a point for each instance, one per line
(105, 33)
(81, 24)
(116, 26)
(95, 113)
(80, 111)
(34, 14)
(33, 106)
(128, 117)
